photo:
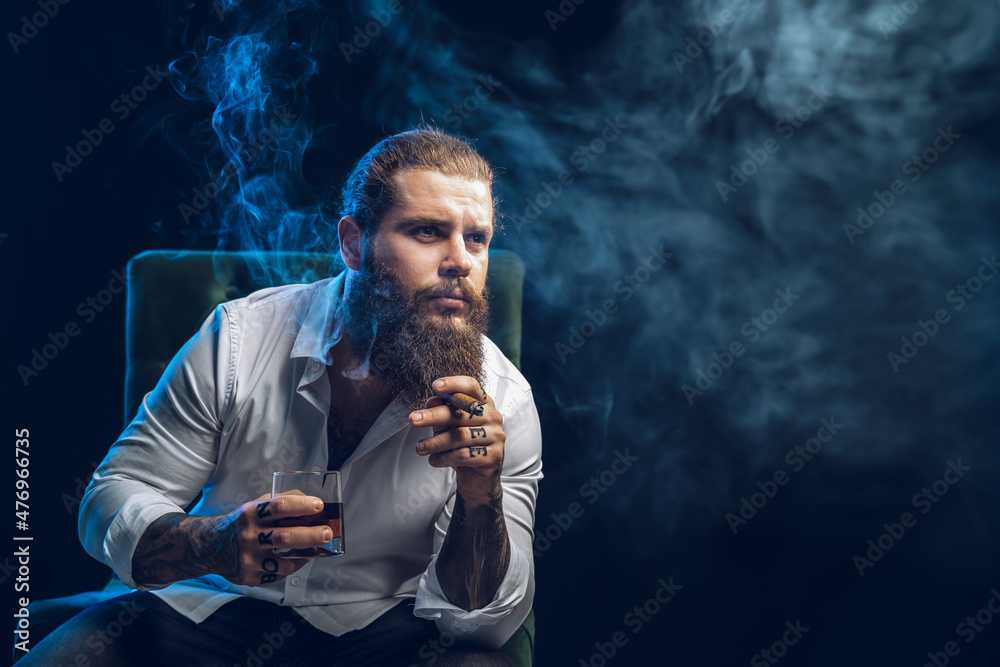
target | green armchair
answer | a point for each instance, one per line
(170, 293)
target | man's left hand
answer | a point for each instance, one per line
(473, 446)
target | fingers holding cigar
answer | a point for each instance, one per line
(472, 444)
(455, 403)
(462, 399)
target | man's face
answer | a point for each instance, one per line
(436, 239)
(417, 307)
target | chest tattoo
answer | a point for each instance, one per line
(344, 433)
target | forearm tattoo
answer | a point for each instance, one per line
(178, 546)
(476, 553)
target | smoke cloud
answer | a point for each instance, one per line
(733, 215)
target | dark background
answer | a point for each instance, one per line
(890, 87)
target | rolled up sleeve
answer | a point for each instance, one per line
(492, 625)
(166, 454)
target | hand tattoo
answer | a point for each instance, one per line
(477, 450)
(479, 432)
(265, 538)
(268, 578)
(262, 510)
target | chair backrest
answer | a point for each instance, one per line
(171, 292)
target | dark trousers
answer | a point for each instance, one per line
(141, 630)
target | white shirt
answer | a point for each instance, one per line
(249, 395)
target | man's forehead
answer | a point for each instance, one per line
(427, 188)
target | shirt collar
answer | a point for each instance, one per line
(321, 329)
(322, 326)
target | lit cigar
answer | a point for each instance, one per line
(462, 402)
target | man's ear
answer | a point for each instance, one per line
(351, 242)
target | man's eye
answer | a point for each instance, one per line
(479, 238)
(427, 230)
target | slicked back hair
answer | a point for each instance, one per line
(370, 189)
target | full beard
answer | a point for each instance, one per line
(404, 348)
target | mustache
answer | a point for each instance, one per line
(474, 297)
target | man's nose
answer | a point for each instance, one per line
(457, 260)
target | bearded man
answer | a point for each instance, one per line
(343, 374)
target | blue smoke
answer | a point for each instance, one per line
(252, 81)
(828, 100)
(728, 144)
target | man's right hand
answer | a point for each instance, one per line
(238, 546)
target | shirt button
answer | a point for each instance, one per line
(296, 581)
